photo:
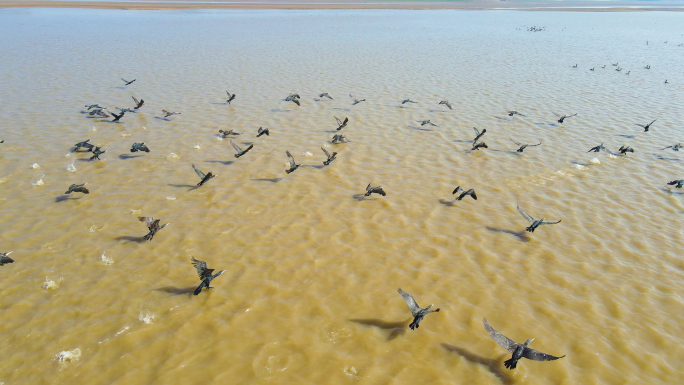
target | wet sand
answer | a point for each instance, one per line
(594, 6)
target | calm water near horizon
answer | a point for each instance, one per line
(309, 292)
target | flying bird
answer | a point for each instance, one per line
(325, 95)
(231, 97)
(330, 157)
(446, 103)
(83, 144)
(138, 103)
(511, 113)
(96, 106)
(648, 67)
(464, 193)
(417, 311)
(239, 151)
(478, 134)
(153, 225)
(205, 178)
(524, 146)
(561, 118)
(127, 81)
(341, 123)
(625, 149)
(534, 222)
(169, 113)
(205, 275)
(424, 122)
(674, 147)
(139, 147)
(519, 350)
(97, 152)
(374, 190)
(339, 138)
(356, 101)
(228, 133)
(99, 113)
(118, 117)
(262, 131)
(598, 148)
(293, 98)
(479, 145)
(407, 101)
(646, 127)
(679, 183)
(293, 165)
(77, 188)
(4, 259)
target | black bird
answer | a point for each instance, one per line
(205, 274)
(138, 103)
(674, 147)
(262, 131)
(534, 222)
(339, 138)
(478, 134)
(625, 149)
(464, 193)
(139, 147)
(229, 133)
(417, 311)
(561, 118)
(330, 157)
(618, 69)
(99, 113)
(205, 178)
(575, 66)
(124, 110)
(648, 67)
(83, 144)
(128, 82)
(599, 148)
(646, 127)
(118, 117)
(96, 106)
(665, 81)
(511, 113)
(325, 95)
(407, 101)
(519, 350)
(479, 145)
(97, 152)
(374, 190)
(77, 188)
(446, 103)
(424, 122)
(293, 165)
(293, 98)
(153, 225)
(679, 183)
(231, 97)
(5, 259)
(341, 123)
(356, 101)
(615, 65)
(603, 66)
(591, 69)
(239, 151)
(524, 146)
(169, 113)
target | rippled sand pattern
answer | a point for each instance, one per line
(309, 295)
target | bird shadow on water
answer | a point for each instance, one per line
(546, 124)
(130, 238)
(521, 235)
(396, 328)
(191, 187)
(362, 197)
(63, 198)
(279, 110)
(272, 180)
(223, 162)
(126, 156)
(509, 152)
(162, 118)
(494, 366)
(626, 136)
(666, 158)
(670, 192)
(177, 290)
(506, 119)
(420, 129)
(447, 202)
(314, 166)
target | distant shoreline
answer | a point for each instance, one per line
(586, 6)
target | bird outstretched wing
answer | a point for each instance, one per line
(326, 152)
(524, 214)
(290, 159)
(477, 132)
(201, 267)
(499, 338)
(408, 298)
(518, 143)
(199, 172)
(550, 223)
(539, 356)
(235, 146)
(339, 122)
(148, 220)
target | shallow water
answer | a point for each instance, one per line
(309, 295)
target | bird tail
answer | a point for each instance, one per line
(200, 287)
(511, 364)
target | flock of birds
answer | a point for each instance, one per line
(207, 275)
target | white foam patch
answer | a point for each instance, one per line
(352, 373)
(107, 260)
(136, 212)
(71, 167)
(580, 167)
(219, 137)
(68, 355)
(595, 161)
(172, 156)
(308, 154)
(39, 182)
(125, 135)
(50, 284)
(3, 180)
(94, 228)
(122, 331)
(197, 146)
(68, 155)
(146, 316)
(35, 166)
(171, 198)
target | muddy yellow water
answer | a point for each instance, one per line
(309, 292)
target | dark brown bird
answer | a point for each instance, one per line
(330, 157)
(647, 126)
(205, 178)
(77, 188)
(97, 152)
(479, 145)
(374, 190)
(240, 152)
(417, 312)
(293, 165)
(263, 131)
(205, 274)
(4, 259)
(519, 350)
(524, 146)
(561, 118)
(118, 117)
(228, 133)
(464, 193)
(341, 123)
(138, 103)
(128, 81)
(153, 225)
(231, 97)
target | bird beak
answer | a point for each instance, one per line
(8, 253)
